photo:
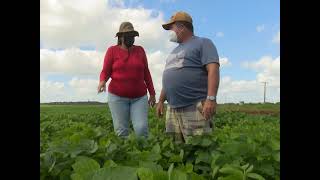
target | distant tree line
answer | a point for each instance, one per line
(75, 103)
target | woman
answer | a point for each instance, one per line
(127, 66)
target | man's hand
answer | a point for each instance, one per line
(152, 100)
(102, 86)
(159, 109)
(209, 109)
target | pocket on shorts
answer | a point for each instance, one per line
(199, 106)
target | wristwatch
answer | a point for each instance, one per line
(212, 98)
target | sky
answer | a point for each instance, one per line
(74, 36)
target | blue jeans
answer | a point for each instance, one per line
(123, 109)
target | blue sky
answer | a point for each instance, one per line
(236, 20)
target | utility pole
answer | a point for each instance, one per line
(264, 92)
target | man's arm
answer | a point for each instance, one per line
(209, 107)
(160, 107)
(162, 97)
(213, 78)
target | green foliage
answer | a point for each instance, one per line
(78, 143)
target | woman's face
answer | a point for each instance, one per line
(127, 39)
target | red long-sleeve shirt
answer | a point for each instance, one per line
(130, 77)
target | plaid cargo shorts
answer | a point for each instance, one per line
(188, 121)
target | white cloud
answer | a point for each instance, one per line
(156, 63)
(267, 68)
(84, 86)
(71, 61)
(219, 34)
(245, 90)
(276, 38)
(224, 61)
(51, 91)
(74, 23)
(86, 89)
(260, 28)
(74, 90)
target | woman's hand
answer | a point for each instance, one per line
(152, 101)
(102, 86)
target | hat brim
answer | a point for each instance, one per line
(134, 33)
(167, 26)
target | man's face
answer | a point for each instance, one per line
(178, 29)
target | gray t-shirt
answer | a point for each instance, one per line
(185, 78)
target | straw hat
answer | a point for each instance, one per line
(127, 27)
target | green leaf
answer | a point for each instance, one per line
(76, 177)
(156, 149)
(244, 167)
(160, 175)
(203, 157)
(48, 161)
(165, 143)
(235, 148)
(145, 174)
(94, 148)
(150, 165)
(202, 168)
(255, 176)
(195, 176)
(214, 171)
(231, 177)
(276, 156)
(175, 158)
(52, 165)
(178, 175)
(65, 174)
(267, 169)
(109, 163)
(170, 170)
(249, 169)
(85, 165)
(189, 168)
(149, 156)
(231, 170)
(112, 147)
(206, 142)
(181, 154)
(116, 173)
(195, 140)
(275, 144)
(214, 159)
(167, 154)
(171, 145)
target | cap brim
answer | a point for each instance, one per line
(135, 33)
(167, 25)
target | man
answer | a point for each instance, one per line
(190, 81)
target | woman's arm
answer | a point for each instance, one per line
(106, 70)
(107, 66)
